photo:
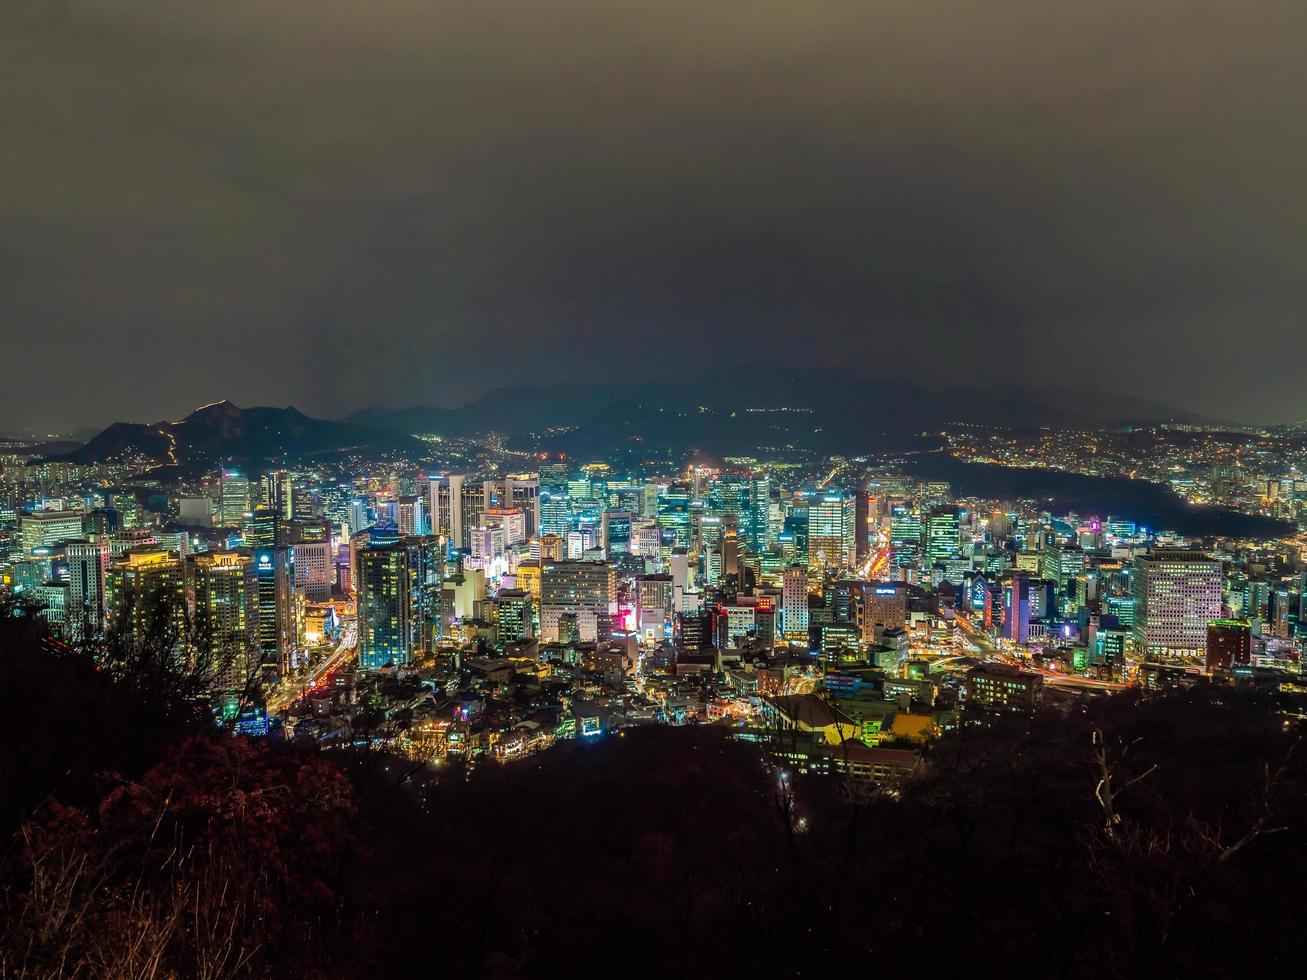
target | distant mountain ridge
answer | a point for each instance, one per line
(830, 411)
(223, 432)
(739, 410)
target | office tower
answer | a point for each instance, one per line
(280, 609)
(1016, 608)
(794, 603)
(509, 521)
(446, 508)
(830, 531)
(586, 590)
(426, 574)
(359, 519)
(514, 619)
(1177, 593)
(278, 493)
(88, 569)
(146, 594)
(674, 513)
(654, 597)
(225, 615)
(314, 569)
(883, 604)
(234, 498)
(528, 577)
(905, 539)
(1229, 643)
(265, 528)
(757, 527)
(941, 539)
(521, 492)
(408, 515)
(555, 512)
(615, 533)
(384, 607)
(43, 528)
(472, 513)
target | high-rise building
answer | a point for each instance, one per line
(831, 519)
(399, 587)
(43, 528)
(1016, 608)
(1229, 643)
(408, 515)
(514, 618)
(225, 615)
(794, 603)
(1177, 593)
(384, 607)
(584, 589)
(147, 599)
(941, 542)
(88, 570)
(280, 609)
(234, 498)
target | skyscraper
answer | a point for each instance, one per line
(1177, 593)
(280, 609)
(831, 518)
(225, 615)
(234, 498)
(88, 569)
(384, 607)
(794, 603)
(584, 589)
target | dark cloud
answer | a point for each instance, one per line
(333, 203)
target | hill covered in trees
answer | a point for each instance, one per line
(1125, 838)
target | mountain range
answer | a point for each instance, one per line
(737, 411)
(224, 433)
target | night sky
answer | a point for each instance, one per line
(333, 204)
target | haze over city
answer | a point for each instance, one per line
(335, 204)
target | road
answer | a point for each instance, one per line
(288, 693)
(988, 651)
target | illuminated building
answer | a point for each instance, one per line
(88, 569)
(831, 520)
(408, 515)
(472, 512)
(43, 528)
(1177, 593)
(941, 540)
(555, 512)
(905, 539)
(147, 598)
(280, 609)
(528, 578)
(233, 499)
(520, 492)
(654, 595)
(615, 533)
(446, 507)
(225, 614)
(794, 603)
(1016, 608)
(510, 521)
(883, 604)
(586, 590)
(513, 615)
(265, 528)
(384, 607)
(279, 493)
(1229, 643)
(999, 687)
